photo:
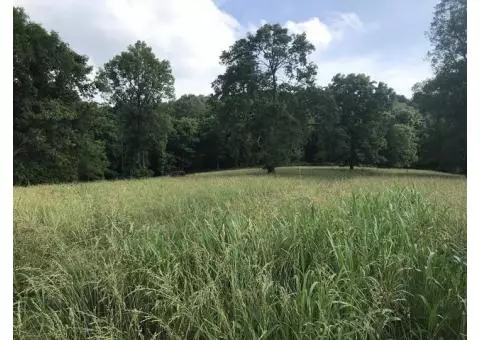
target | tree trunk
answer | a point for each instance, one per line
(123, 158)
(270, 169)
(352, 154)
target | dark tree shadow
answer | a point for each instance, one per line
(341, 173)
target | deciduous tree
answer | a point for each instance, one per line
(362, 104)
(443, 99)
(136, 83)
(49, 82)
(257, 93)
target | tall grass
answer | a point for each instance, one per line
(329, 255)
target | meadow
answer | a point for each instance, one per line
(307, 253)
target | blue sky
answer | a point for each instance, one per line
(382, 38)
(393, 34)
(401, 24)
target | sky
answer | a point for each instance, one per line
(384, 39)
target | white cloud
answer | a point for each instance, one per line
(348, 20)
(317, 32)
(400, 77)
(322, 34)
(191, 34)
(342, 23)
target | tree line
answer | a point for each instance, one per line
(265, 109)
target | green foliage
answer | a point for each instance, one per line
(361, 104)
(182, 142)
(265, 110)
(405, 125)
(402, 146)
(190, 128)
(448, 34)
(48, 82)
(190, 106)
(443, 99)
(93, 128)
(211, 147)
(256, 93)
(326, 140)
(136, 83)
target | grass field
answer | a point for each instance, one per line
(310, 253)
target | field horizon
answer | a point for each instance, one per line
(308, 253)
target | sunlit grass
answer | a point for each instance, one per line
(308, 253)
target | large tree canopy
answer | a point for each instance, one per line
(324, 133)
(404, 127)
(362, 104)
(266, 109)
(443, 99)
(49, 81)
(448, 34)
(257, 94)
(136, 83)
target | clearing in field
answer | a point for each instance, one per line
(310, 253)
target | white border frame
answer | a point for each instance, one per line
(6, 170)
(473, 149)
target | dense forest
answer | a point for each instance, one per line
(265, 110)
